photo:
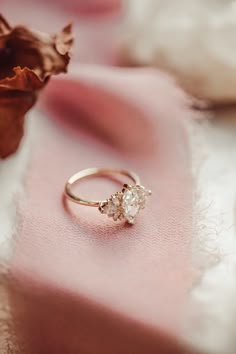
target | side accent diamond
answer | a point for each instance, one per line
(113, 207)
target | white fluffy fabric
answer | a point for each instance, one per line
(194, 40)
(212, 322)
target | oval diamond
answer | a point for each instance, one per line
(134, 199)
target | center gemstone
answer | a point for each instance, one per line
(130, 205)
(126, 204)
(134, 199)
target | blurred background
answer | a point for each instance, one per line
(194, 42)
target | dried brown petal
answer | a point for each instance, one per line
(4, 25)
(27, 60)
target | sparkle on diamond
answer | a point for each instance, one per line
(126, 204)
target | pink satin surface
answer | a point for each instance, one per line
(87, 284)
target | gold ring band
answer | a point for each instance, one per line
(96, 172)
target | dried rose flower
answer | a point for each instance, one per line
(27, 60)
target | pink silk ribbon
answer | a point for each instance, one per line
(87, 284)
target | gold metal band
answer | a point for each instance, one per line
(95, 172)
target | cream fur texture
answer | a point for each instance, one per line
(194, 40)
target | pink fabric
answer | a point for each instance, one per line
(91, 7)
(90, 285)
